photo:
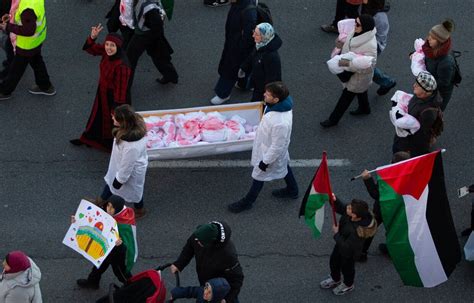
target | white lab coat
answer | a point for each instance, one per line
(128, 164)
(271, 145)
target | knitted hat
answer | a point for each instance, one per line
(206, 233)
(367, 22)
(117, 203)
(426, 81)
(17, 261)
(442, 32)
(115, 38)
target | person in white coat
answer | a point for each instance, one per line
(356, 82)
(19, 282)
(270, 157)
(128, 161)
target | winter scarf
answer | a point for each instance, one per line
(435, 53)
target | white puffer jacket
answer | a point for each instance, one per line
(364, 44)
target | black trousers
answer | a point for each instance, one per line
(161, 59)
(339, 264)
(345, 100)
(345, 10)
(17, 69)
(116, 259)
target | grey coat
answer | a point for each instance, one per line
(21, 287)
(364, 44)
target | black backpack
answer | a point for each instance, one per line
(457, 72)
(263, 12)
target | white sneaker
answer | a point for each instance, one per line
(329, 283)
(342, 289)
(218, 100)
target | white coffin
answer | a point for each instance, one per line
(252, 112)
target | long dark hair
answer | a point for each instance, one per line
(130, 122)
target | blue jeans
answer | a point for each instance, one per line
(257, 186)
(106, 194)
(382, 79)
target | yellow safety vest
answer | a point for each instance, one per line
(40, 34)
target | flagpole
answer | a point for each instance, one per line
(443, 150)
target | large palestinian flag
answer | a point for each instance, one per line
(128, 233)
(421, 237)
(317, 195)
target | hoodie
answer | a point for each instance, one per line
(21, 287)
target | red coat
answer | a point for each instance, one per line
(113, 90)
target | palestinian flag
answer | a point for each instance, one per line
(128, 233)
(317, 194)
(421, 237)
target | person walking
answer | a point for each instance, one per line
(112, 90)
(424, 107)
(356, 82)
(129, 160)
(6, 44)
(238, 46)
(29, 26)
(149, 36)
(439, 60)
(215, 257)
(19, 281)
(378, 10)
(344, 9)
(270, 157)
(263, 65)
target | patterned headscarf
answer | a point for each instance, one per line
(267, 32)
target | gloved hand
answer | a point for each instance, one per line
(116, 184)
(262, 166)
(241, 73)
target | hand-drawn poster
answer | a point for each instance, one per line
(93, 234)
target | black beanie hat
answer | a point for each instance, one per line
(117, 203)
(367, 22)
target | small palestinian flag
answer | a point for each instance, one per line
(128, 233)
(317, 195)
(421, 237)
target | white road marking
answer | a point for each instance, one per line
(238, 163)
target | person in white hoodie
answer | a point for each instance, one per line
(356, 82)
(270, 157)
(19, 282)
(129, 160)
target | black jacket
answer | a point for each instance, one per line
(443, 69)
(264, 64)
(217, 260)
(347, 240)
(374, 193)
(420, 142)
(238, 38)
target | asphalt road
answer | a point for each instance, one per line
(43, 177)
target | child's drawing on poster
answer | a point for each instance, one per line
(93, 233)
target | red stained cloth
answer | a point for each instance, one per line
(442, 51)
(18, 261)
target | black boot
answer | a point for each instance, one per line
(85, 283)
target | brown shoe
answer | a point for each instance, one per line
(140, 213)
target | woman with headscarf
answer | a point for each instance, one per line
(356, 82)
(438, 59)
(113, 89)
(19, 281)
(263, 65)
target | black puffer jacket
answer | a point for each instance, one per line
(265, 66)
(217, 260)
(347, 238)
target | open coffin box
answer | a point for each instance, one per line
(251, 112)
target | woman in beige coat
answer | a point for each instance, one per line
(356, 82)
